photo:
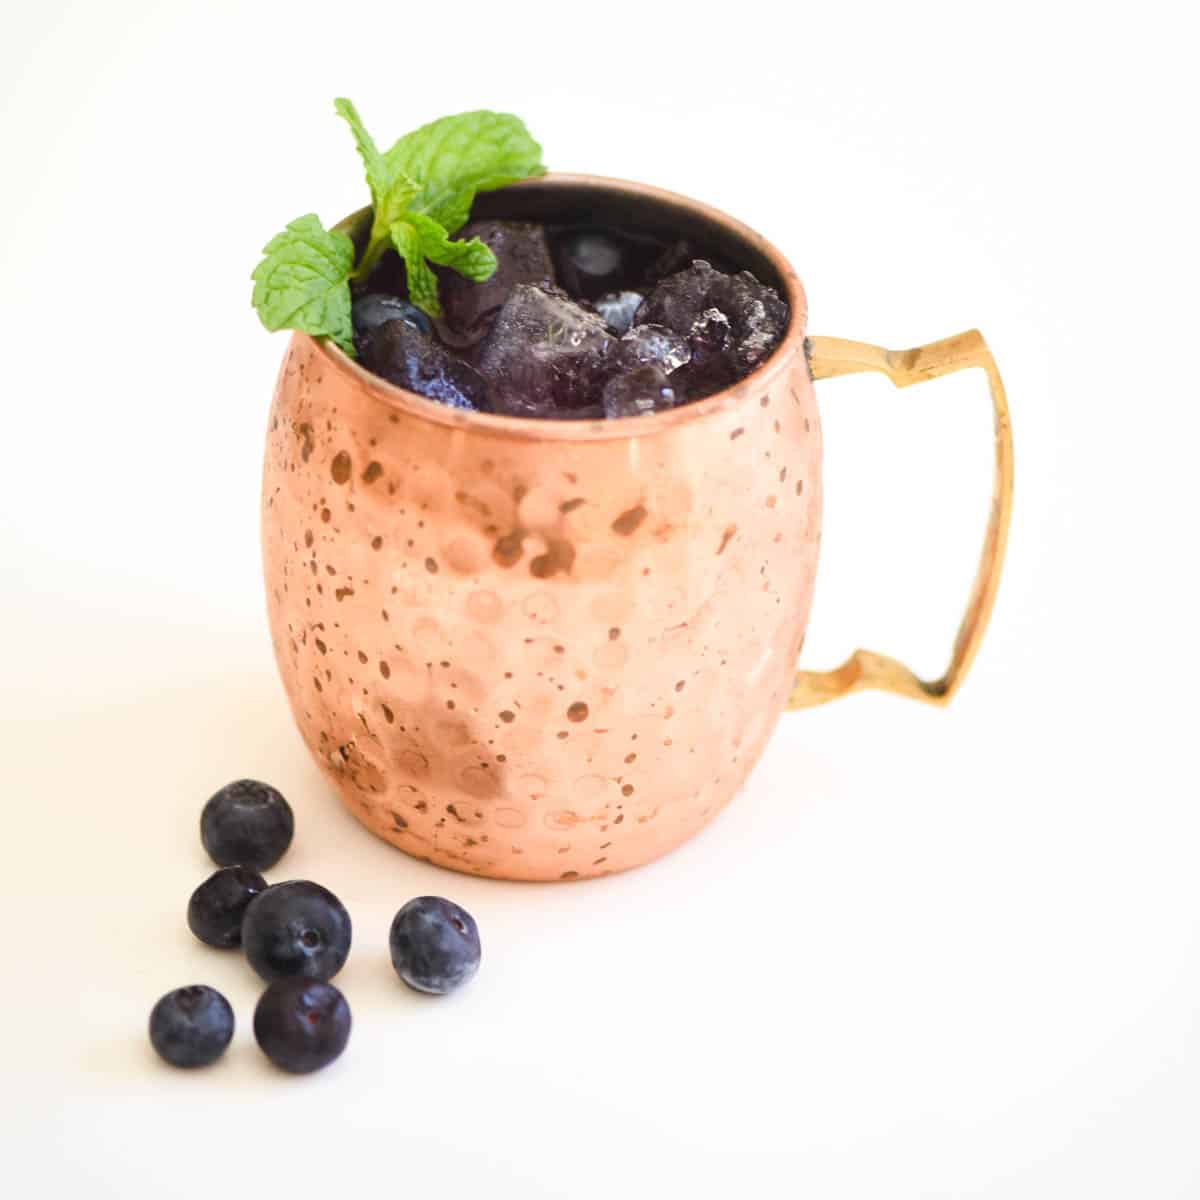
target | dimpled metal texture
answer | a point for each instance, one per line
(541, 650)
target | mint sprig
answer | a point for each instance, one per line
(301, 281)
(422, 190)
(456, 157)
(391, 189)
(418, 238)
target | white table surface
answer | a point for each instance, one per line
(924, 954)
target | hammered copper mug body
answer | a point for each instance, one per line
(555, 649)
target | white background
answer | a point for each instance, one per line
(925, 954)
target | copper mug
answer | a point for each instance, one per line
(555, 649)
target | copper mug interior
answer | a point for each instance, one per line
(543, 650)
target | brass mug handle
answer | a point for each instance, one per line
(864, 669)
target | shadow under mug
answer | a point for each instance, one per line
(552, 650)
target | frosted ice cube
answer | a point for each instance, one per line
(636, 393)
(545, 354)
(522, 256)
(658, 345)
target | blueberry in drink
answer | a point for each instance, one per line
(373, 309)
(617, 309)
(404, 354)
(592, 262)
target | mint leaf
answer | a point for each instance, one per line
(422, 282)
(454, 158)
(417, 238)
(386, 181)
(472, 258)
(391, 188)
(303, 282)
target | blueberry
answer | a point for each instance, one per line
(434, 944)
(377, 308)
(591, 262)
(218, 905)
(411, 359)
(296, 929)
(191, 1026)
(302, 1025)
(247, 824)
(618, 309)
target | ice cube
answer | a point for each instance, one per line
(591, 262)
(545, 354)
(658, 345)
(679, 300)
(522, 256)
(618, 309)
(645, 389)
(713, 364)
(408, 357)
(687, 301)
(757, 314)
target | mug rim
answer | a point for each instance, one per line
(541, 429)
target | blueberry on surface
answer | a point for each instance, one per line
(434, 945)
(191, 1026)
(218, 905)
(247, 824)
(296, 929)
(302, 1025)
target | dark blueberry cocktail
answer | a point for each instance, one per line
(576, 323)
(564, 315)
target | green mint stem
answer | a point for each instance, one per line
(370, 256)
(421, 194)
